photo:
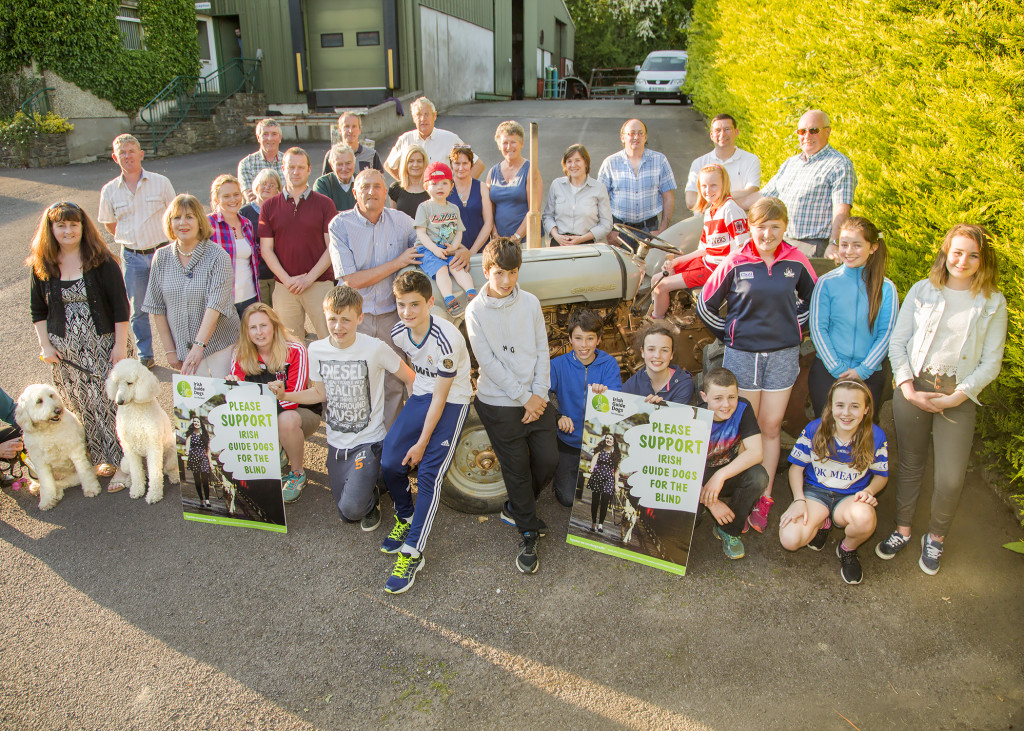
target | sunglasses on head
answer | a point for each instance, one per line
(809, 131)
(64, 204)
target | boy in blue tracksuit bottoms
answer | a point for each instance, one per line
(509, 338)
(427, 429)
(571, 376)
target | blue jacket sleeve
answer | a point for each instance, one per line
(6, 408)
(713, 295)
(885, 321)
(821, 312)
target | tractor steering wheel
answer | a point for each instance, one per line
(647, 239)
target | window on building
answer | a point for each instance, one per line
(368, 38)
(332, 40)
(204, 41)
(130, 25)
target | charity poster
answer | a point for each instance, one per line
(228, 453)
(641, 472)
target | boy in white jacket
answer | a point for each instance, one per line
(509, 339)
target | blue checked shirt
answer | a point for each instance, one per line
(636, 196)
(250, 166)
(357, 244)
(811, 190)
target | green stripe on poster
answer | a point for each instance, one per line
(273, 527)
(628, 555)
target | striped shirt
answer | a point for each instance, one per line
(636, 196)
(441, 354)
(811, 190)
(139, 216)
(357, 244)
(835, 472)
(250, 165)
(184, 294)
(225, 236)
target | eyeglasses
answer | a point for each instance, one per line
(635, 134)
(810, 131)
(64, 204)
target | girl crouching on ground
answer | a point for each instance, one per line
(267, 354)
(839, 464)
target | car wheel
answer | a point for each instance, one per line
(473, 482)
(637, 100)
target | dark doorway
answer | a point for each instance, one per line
(518, 55)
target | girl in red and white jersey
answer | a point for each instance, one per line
(725, 232)
(267, 353)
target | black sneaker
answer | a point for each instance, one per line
(527, 561)
(850, 568)
(507, 519)
(820, 539)
(371, 520)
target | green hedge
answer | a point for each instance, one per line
(927, 99)
(79, 39)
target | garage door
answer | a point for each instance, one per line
(347, 60)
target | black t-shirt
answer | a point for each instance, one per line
(405, 201)
(726, 436)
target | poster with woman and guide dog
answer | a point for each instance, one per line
(228, 453)
(638, 487)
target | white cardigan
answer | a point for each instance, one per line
(981, 350)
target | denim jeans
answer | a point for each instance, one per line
(136, 279)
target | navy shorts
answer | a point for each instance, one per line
(773, 371)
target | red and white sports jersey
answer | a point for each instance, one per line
(725, 232)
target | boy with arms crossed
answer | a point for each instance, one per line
(509, 338)
(347, 369)
(427, 429)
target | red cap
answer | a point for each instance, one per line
(437, 171)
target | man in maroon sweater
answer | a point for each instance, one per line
(293, 241)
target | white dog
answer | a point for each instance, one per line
(143, 429)
(55, 442)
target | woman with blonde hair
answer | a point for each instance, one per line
(80, 313)
(268, 353)
(407, 194)
(237, 236)
(946, 347)
(191, 293)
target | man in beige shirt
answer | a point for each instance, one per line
(132, 207)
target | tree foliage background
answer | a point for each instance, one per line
(926, 97)
(620, 33)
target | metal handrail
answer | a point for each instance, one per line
(38, 103)
(198, 95)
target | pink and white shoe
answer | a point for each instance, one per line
(758, 519)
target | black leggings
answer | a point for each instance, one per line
(599, 499)
(202, 484)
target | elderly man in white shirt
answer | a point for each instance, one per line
(744, 168)
(437, 142)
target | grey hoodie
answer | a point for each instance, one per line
(510, 342)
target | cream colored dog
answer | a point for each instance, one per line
(143, 429)
(55, 442)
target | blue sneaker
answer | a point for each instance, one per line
(732, 546)
(396, 538)
(404, 574)
(931, 552)
(292, 487)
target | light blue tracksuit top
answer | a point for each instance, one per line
(839, 322)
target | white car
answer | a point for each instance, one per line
(661, 76)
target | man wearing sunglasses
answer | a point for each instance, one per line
(817, 187)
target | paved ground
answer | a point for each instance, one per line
(120, 615)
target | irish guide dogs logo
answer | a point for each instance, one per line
(600, 402)
(184, 390)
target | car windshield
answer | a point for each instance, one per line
(664, 63)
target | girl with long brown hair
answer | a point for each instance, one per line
(839, 464)
(853, 312)
(80, 313)
(946, 347)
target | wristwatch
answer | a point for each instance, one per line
(200, 343)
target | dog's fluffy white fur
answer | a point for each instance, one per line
(143, 429)
(55, 442)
